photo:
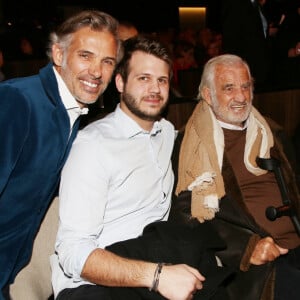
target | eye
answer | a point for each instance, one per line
(143, 78)
(109, 62)
(228, 89)
(163, 81)
(246, 87)
(84, 55)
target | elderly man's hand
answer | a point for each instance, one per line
(266, 250)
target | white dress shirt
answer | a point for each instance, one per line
(118, 178)
(70, 103)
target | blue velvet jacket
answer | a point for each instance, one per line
(34, 144)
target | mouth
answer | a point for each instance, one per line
(238, 106)
(89, 84)
(91, 87)
(153, 99)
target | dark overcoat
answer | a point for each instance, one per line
(237, 227)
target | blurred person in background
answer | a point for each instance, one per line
(127, 30)
(245, 33)
(287, 47)
(2, 75)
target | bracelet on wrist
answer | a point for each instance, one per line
(155, 282)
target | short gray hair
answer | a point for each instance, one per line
(208, 74)
(96, 20)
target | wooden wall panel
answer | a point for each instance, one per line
(282, 106)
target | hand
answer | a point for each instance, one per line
(297, 48)
(179, 282)
(266, 250)
(294, 51)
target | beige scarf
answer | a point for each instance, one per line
(201, 157)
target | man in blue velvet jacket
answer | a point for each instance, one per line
(39, 120)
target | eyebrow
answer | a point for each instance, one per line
(109, 57)
(246, 84)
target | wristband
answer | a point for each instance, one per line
(155, 282)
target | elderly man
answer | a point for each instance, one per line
(224, 174)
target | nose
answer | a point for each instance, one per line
(154, 87)
(240, 94)
(95, 69)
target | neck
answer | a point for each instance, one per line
(147, 125)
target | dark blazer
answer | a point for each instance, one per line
(35, 142)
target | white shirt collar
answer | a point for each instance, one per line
(233, 127)
(133, 128)
(67, 98)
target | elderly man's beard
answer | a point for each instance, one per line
(224, 113)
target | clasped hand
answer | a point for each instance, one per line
(266, 250)
(179, 282)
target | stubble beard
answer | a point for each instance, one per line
(132, 104)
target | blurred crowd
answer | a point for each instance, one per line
(263, 32)
(191, 48)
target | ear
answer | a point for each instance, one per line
(206, 95)
(57, 55)
(119, 83)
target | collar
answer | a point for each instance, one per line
(132, 128)
(68, 100)
(233, 127)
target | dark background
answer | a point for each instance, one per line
(147, 15)
(39, 18)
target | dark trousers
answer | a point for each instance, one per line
(96, 292)
(5, 293)
(87, 292)
(287, 280)
(169, 243)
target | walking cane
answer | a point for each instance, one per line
(272, 213)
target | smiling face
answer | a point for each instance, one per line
(145, 94)
(87, 65)
(231, 100)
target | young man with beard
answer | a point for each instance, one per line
(40, 114)
(117, 180)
